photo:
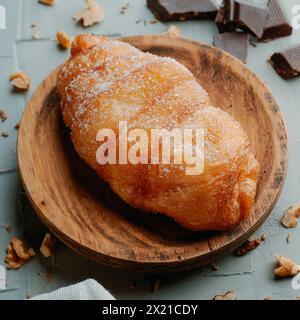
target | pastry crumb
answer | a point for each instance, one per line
(47, 247)
(20, 80)
(173, 31)
(3, 115)
(229, 295)
(17, 255)
(249, 245)
(4, 134)
(63, 39)
(17, 126)
(48, 2)
(290, 216)
(268, 298)
(92, 14)
(286, 267)
(288, 238)
(28, 296)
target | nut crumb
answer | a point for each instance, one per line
(214, 266)
(48, 276)
(48, 2)
(290, 216)
(264, 237)
(20, 80)
(286, 267)
(8, 228)
(92, 14)
(133, 284)
(28, 296)
(43, 203)
(288, 238)
(4, 134)
(229, 295)
(155, 286)
(3, 115)
(47, 247)
(63, 39)
(35, 35)
(249, 245)
(17, 255)
(173, 31)
(17, 126)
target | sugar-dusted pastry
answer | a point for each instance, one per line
(106, 82)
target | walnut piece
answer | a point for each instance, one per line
(63, 39)
(286, 267)
(229, 295)
(290, 216)
(90, 15)
(248, 246)
(173, 31)
(48, 2)
(47, 247)
(20, 80)
(17, 255)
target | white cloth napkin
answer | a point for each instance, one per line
(85, 290)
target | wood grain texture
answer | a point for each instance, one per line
(84, 213)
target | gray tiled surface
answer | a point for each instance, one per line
(251, 276)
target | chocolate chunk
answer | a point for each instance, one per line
(287, 62)
(276, 24)
(173, 10)
(250, 18)
(235, 43)
(266, 23)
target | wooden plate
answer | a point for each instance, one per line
(83, 212)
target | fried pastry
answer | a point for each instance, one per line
(106, 82)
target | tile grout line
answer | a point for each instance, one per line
(20, 18)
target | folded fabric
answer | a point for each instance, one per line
(85, 290)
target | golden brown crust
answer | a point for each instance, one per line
(107, 81)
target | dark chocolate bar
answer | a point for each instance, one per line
(266, 23)
(180, 10)
(235, 43)
(287, 62)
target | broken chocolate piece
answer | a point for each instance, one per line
(235, 43)
(222, 20)
(250, 18)
(276, 25)
(287, 62)
(266, 23)
(178, 10)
